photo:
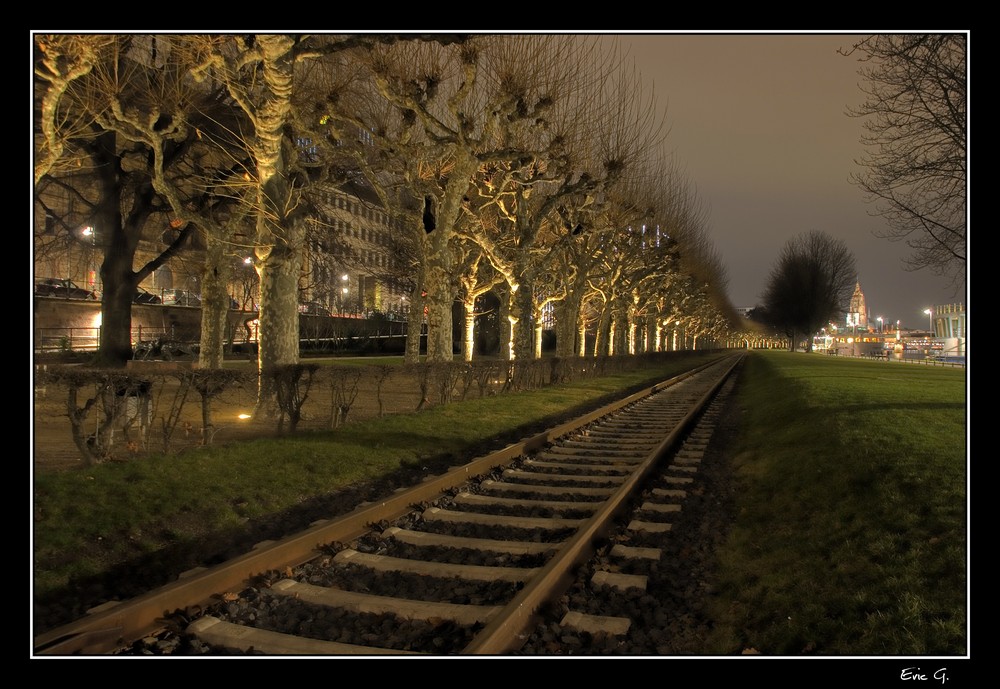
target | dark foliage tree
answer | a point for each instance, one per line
(93, 168)
(809, 285)
(915, 132)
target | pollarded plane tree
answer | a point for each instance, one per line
(621, 257)
(211, 189)
(476, 277)
(259, 73)
(637, 250)
(385, 149)
(706, 317)
(699, 291)
(265, 223)
(504, 107)
(592, 137)
(275, 80)
(519, 240)
(440, 90)
(677, 300)
(409, 164)
(671, 217)
(575, 261)
(132, 116)
(680, 224)
(713, 315)
(582, 317)
(61, 60)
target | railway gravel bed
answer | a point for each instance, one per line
(669, 617)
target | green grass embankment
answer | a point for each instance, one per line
(90, 521)
(850, 535)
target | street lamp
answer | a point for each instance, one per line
(930, 323)
(90, 237)
(879, 319)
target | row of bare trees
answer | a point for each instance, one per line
(527, 165)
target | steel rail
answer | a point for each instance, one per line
(110, 626)
(501, 634)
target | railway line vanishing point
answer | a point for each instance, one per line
(478, 561)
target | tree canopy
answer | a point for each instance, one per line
(915, 167)
(809, 285)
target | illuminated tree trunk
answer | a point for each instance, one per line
(523, 308)
(415, 319)
(653, 343)
(568, 324)
(440, 217)
(439, 301)
(507, 323)
(214, 302)
(621, 331)
(538, 336)
(468, 328)
(603, 346)
(279, 242)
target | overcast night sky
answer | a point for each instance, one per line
(758, 125)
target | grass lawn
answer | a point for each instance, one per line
(88, 521)
(851, 528)
(849, 539)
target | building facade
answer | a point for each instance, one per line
(857, 312)
(349, 266)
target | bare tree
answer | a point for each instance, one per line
(496, 107)
(915, 131)
(809, 285)
(598, 129)
(95, 166)
(280, 83)
(60, 61)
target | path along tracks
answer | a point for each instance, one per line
(469, 562)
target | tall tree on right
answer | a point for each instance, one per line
(809, 285)
(914, 170)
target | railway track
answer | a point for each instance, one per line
(469, 562)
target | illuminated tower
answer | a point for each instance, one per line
(857, 314)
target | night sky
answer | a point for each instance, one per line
(758, 125)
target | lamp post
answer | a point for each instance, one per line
(930, 323)
(344, 290)
(879, 319)
(90, 236)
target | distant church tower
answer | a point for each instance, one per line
(857, 314)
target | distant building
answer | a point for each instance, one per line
(857, 313)
(949, 320)
(950, 328)
(745, 310)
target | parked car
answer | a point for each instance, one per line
(61, 287)
(144, 297)
(179, 297)
(313, 308)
